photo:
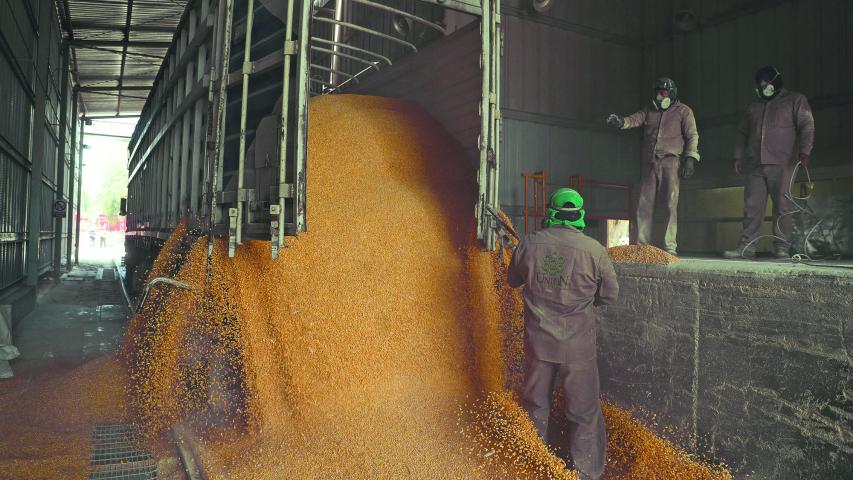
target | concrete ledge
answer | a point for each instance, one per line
(751, 359)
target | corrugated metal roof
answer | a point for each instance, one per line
(117, 47)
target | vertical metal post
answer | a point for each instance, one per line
(174, 156)
(195, 166)
(526, 208)
(535, 201)
(38, 132)
(299, 191)
(277, 232)
(198, 132)
(483, 232)
(60, 160)
(80, 148)
(185, 156)
(337, 36)
(74, 209)
(543, 198)
(496, 118)
(163, 174)
(219, 124)
(244, 107)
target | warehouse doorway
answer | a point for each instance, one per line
(103, 185)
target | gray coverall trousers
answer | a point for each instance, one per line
(660, 176)
(762, 180)
(580, 387)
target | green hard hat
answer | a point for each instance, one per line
(565, 208)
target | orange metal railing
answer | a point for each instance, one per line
(539, 206)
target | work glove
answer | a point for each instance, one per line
(805, 158)
(738, 165)
(688, 167)
(615, 121)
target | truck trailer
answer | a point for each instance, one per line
(221, 141)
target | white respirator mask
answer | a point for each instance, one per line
(663, 102)
(768, 89)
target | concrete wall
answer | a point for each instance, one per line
(752, 360)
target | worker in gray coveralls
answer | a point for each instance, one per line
(565, 274)
(776, 133)
(670, 149)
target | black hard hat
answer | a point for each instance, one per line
(666, 83)
(769, 74)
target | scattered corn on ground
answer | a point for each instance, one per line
(46, 424)
(647, 254)
(382, 344)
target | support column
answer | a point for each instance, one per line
(74, 206)
(80, 148)
(60, 163)
(45, 8)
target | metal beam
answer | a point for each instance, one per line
(157, 58)
(96, 80)
(107, 135)
(116, 95)
(120, 43)
(65, 16)
(124, 52)
(126, 88)
(117, 28)
(102, 117)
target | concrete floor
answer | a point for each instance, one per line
(77, 319)
(769, 265)
(82, 316)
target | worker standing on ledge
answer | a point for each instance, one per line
(776, 133)
(670, 144)
(565, 274)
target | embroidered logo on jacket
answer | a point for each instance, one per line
(553, 264)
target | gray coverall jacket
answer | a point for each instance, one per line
(565, 274)
(668, 136)
(668, 133)
(771, 136)
(776, 131)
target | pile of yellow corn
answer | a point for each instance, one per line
(647, 254)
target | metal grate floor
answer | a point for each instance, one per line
(115, 455)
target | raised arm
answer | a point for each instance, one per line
(635, 119)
